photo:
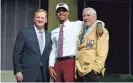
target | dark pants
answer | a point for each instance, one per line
(90, 77)
(39, 78)
(65, 70)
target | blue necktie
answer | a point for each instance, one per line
(82, 35)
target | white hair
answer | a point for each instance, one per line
(91, 10)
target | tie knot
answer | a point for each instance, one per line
(62, 25)
(40, 31)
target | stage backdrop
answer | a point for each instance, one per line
(15, 14)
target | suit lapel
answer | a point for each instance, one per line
(89, 33)
(35, 43)
(46, 41)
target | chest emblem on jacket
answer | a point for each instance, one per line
(90, 43)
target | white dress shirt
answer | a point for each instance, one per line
(71, 31)
(43, 34)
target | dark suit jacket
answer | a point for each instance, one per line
(27, 57)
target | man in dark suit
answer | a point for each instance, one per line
(31, 51)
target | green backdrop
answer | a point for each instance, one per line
(52, 19)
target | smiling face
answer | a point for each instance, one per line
(62, 14)
(40, 19)
(88, 17)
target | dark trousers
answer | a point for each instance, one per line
(90, 77)
(39, 78)
(65, 70)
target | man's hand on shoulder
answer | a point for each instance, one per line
(99, 30)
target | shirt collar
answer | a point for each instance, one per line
(65, 23)
(37, 30)
(91, 25)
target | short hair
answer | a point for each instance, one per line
(41, 10)
(91, 10)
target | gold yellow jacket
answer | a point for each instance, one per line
(92, 52)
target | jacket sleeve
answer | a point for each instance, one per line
(102, 51)
(17, 52)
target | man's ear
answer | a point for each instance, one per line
(46, 20)
(34, 19)
(68, 13)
